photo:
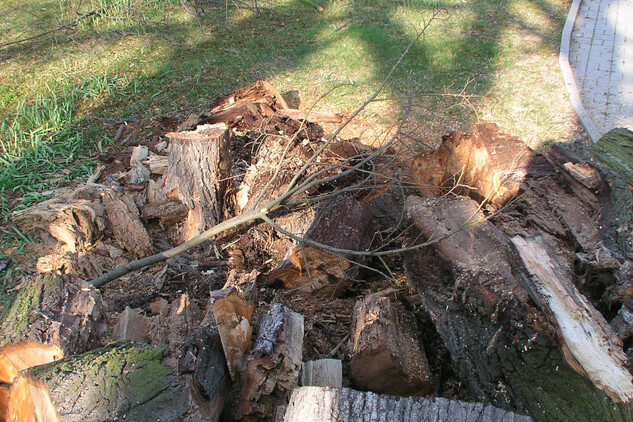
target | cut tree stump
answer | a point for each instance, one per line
(388, 357)
(319, 404)
(199, 175)
(60, 310)
(272, 368)
(502, 346)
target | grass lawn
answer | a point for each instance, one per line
(152, 57)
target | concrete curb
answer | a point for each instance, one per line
(570, 82)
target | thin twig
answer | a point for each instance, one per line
(59, 28)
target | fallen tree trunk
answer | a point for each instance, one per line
(120, 381)
(318, 404)
(505, 349)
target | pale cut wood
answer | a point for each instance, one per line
(272, 368)
(387, 355)
(590, 345)
(199, 175)
(233, 308)
(319, 404)
(322, 373)
(486, 165)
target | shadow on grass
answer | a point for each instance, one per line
(178, 66)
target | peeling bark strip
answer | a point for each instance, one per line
(387, 355)
(199, 175)
(319, 404)
(588, 342)
(272, 369)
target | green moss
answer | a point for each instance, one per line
(16, 320)
(615, 149)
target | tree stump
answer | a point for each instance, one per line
(199, 175)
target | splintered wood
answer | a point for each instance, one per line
(487, 165)
(272, 368)
(590, 345)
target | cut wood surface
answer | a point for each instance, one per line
(199, 175)
(590, 345)
(322, 373)
(319, 404)
(233, 308)
(388, 357)
(272, 368)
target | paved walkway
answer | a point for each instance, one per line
(600, 54)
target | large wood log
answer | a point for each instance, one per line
(199, 175)
(502, 346)
(388, 357)
(119, 382)
(318, 404)
(60, 310)
(271, 370)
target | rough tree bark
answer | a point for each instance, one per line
(318, 404)
(199, 175)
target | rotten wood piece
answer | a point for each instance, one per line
(59, 310)
(318, 404)
(388, 357)
(486, 165)
(342, 223)
(199, 175)
(204, 368)
(271, 370)
(590, 346)
(504, 347)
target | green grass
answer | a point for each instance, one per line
(151, 57)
